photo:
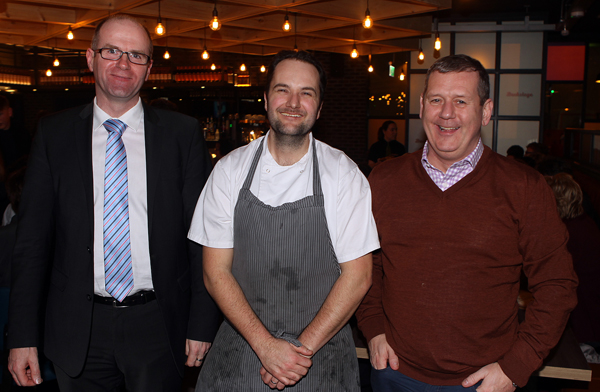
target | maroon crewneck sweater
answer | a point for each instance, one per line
(446, 281)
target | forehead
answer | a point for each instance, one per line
(296, 72)
(454, 83)
(124, 33)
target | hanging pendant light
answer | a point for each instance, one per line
(56, 63)
(421, 54)
(354, 53)
(49, 72)
(286, 23)
(367, 22)
(214, 23)
(370, 69)
(438, 43)
(213, 67)
(160, 29)
(205, 54)
(70, 35)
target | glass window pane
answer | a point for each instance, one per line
(481, 46)
(520, 95)
(522, 50)
(516, 132)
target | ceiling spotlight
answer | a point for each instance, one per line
(438, 43)
(49, 72)
(160, 29)
(70, 35)
(286, 23)
(214, 23)
(243, 67)
(263, 69)
(367, 22)
(167, 55)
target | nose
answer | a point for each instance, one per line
(447, 111)
(124, 62)
(294, 101)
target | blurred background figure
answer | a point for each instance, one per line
(515, 152)
(584, 245)
(387, 146)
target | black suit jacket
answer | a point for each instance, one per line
(53, 261)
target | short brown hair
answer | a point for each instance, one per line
(117, 17)
(569, 197)
(462, 63)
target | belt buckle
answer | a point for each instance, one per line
(115, 304)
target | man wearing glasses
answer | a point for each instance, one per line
(108, 198)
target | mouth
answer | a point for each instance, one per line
(448, 129)
(291, 115)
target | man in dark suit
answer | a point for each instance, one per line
(113, 164)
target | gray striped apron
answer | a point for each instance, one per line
(285, 263)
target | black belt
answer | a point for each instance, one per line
(140, 298)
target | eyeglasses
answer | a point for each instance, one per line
(115, 54)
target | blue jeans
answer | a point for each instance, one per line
(389, 380)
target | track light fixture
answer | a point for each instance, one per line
(214, 23)
(160, 29)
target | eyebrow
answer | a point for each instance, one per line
(111, 46)
(287, 86)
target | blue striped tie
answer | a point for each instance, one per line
(117, 248)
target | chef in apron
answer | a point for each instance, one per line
(288, 232)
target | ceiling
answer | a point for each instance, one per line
(255, 26)
(248, 26)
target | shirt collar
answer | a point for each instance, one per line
(472, 159)
(133, 117)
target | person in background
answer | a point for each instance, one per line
(288, 233)
(456, 232)
(101, 244)
(515, 152)
(386, 146)
(584, 245)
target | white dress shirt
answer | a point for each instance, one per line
(345, 189)
(134, 141)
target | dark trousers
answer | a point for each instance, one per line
(129, 348)
(389, 380)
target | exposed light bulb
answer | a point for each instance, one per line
(263, 68)
(286, 24)
(421, 55)
(354, 53)
(56, 63)
(402, 76)
(160, 29)
(49, 72)
(167, 55)
(367, 22)
(214, 23)
(70, 35)
(438, 43)
(205, 55)
(243, 67)
(370, 68)
(213, 67)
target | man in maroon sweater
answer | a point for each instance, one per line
(460, 225)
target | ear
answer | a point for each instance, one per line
(319, 111)
(421, 107)
(266, 103)
(488, 108)
(148, 70)
(89, 55)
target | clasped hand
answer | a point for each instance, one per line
(283, 364)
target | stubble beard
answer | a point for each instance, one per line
(289, 137)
